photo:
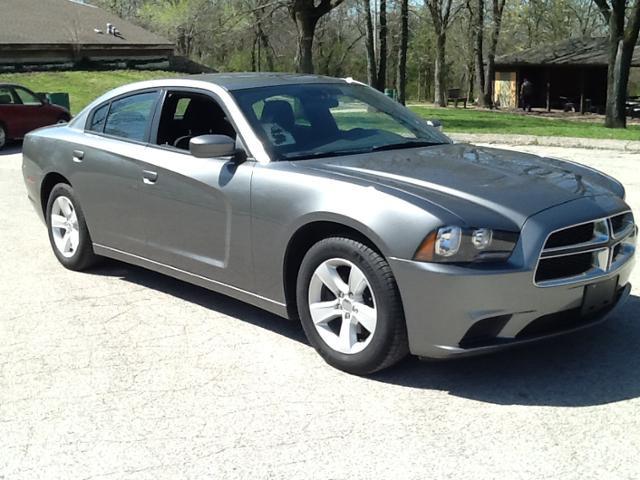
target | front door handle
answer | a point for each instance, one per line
(149, 177)
(78, 156)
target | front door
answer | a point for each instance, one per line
(197, 211)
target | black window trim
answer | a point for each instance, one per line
(154, 108)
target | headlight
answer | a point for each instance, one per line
(453, 244)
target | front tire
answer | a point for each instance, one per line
(3, 136)
(68, 233)
(350, 306)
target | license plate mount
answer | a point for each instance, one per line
(599, 296)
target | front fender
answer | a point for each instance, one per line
(285, 200)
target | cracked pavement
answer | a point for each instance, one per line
(126, 374)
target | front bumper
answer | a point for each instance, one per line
(454, 311)
(442, 307)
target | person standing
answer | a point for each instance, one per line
(526, 95)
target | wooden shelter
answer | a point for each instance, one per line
(571, 74)
(63, 34)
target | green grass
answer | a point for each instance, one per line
(482, 121)
(83, 87)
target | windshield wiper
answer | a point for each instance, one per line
(337, 153)
(356, 151)
(410, 144)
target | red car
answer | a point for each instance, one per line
(21, 111)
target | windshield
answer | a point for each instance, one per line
(298, 122)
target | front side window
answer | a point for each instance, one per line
(305, 121)
(28, 98)
(129, 117)
(6, 96)
(186, 115)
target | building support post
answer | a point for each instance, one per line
(548, 75)
(583, 100)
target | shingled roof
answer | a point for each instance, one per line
(59, 22)
(572, 52)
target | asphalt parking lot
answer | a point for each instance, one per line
(122, 373)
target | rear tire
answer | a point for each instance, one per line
(68, 233)
(350, 306)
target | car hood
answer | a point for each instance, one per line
(513, 184)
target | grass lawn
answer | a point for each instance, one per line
(83, 87)
(470, 120)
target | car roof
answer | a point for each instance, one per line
(240, 81)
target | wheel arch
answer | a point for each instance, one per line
(303, 239)
(49, 181)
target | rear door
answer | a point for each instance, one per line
(196, 210)
(109, 162)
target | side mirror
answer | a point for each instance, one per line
(435, 124)
(212, 146)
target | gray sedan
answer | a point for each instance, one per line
(322, 200)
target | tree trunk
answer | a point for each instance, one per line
(478, 27)
(488, 79)
(498, 9)
(618, 81)
(401, 81)
(382, 50)
(622, 41)
(306, 25)
(440, 91)
(372, 65)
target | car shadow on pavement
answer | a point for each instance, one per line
(202, 297)
(11, 149)
(596, 366)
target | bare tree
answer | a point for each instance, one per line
(372, 62)
(306, 14)
(401, 78)
(376, 61)
(498, 10)
(477, 22)
(442, 14)
(382, 47)
(624, 25)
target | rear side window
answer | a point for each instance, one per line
(98, 119)
(28, 98)
(129, 117)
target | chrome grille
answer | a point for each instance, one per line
(587, 250)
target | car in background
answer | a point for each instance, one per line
(321, 199)
(22, 111)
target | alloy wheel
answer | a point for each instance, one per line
(342, 306)
(3, 137)
(64, 226)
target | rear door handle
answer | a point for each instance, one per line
(149, 177)
(78, 156)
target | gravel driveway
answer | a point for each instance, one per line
(122, 373)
